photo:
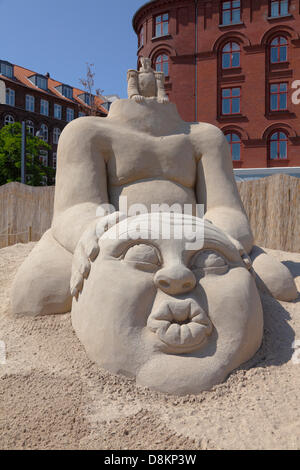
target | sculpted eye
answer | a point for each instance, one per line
(210, 262)
(144, 257)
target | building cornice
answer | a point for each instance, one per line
(147, 7)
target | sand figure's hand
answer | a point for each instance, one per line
(139, 98)
(245, 257)
(87, 249)
(163, 100)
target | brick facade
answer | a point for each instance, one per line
(194, 44)
(22, 86)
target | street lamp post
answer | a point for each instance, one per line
(39, 134)
(23, 154)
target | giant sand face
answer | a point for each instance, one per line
(176, 312)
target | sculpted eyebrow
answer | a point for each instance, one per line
(121, 246)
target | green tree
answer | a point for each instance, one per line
(10, 157)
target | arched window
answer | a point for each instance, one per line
(162, 64)
(231, 55)
(141, 37)
(235, 143)
(278, 146)
(56, 135)
(279, 48)
(44, 132)
(30, 127)
(9, 119)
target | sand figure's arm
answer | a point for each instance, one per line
(81, 179)
(216, 186)
(87, 250)
(133, 86)
(161, 92)
(272, 277)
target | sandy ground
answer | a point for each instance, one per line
(53, 397)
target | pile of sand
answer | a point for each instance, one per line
(52, 396)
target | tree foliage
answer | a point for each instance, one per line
(10, 157)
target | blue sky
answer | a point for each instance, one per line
(60, 36)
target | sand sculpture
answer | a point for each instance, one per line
(175, 314)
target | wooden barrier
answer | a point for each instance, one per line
(272, 205)
(273, 208)
(25, 212)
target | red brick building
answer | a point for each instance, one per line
(233, 64)
(45, 104)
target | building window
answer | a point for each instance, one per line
(162, 64)
(279, 8)
(141, 37)
(81, 114)
(54, 160)
(43, 134)
(56, 135)
(70, 114)
(9, 119)
(6, 69)
(279, 48)
(10, 97)
(44, 108)
(162, 25)
(231, 54)
(29, 103)
(42, 82)
(43, 157)
(66, 91)
(278, 96)
(231, 100)
(278, 146)
(87, 98)
(57, 111)
(39, 81)
(231, 12)
(235, 143)
(30, 127)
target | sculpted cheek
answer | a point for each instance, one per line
(230, 310)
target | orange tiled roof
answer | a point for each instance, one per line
(22, 76)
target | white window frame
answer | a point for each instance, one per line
(69, 110)
(30, 127)
(42, 82)
(44, 107)
(56, 135)
(6, 70)
(30, 102)
(9, 119)
(57, 111)
(44, 133)
(10, 97)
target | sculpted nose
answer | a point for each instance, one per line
(175, 280)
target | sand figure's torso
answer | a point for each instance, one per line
(147, 84)
(157, 169)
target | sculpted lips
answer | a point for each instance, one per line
(182, 324)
